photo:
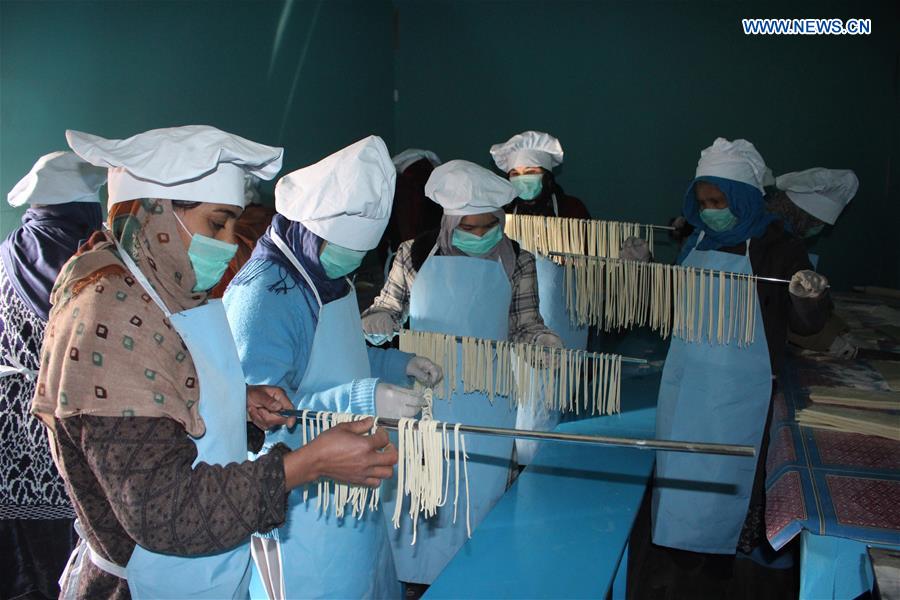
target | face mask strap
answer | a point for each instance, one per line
(180, 222)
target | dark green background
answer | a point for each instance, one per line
(633, 89)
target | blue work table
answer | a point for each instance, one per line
(561, 529)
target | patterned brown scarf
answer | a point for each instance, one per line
(109, 350)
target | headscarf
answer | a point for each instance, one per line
(305, 245)
(744, 200)
(34, 253)
(109, 350)
(795, 219)
(502, 251)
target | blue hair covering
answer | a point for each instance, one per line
(305, 245)
(744, 200)
(34, 254)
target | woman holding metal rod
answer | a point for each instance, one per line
(722, 392)
(142, 391)
(296, 323)
(467, 278)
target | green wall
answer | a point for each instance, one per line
(312, 76)
(634, 90)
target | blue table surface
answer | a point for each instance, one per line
(561, 529)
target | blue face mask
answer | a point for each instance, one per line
(528, 187)
(209, 258)
(814, 230)
(338, 261)
(475, 245)
(718, 219)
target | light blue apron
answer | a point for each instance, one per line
(713, 393)
(223, 407)
(457, 295)
(552, 297)
(319, 555)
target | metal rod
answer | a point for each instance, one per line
(610, 259)
(625, 359)
(601, 440)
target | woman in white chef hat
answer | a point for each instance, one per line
(61, 192)
(528, 160)
(296, 322)
(141, 388)
(466, 279)
(807, 201)
(706, 507)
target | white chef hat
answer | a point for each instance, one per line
(193, 163)
(344, 198)
(411, 156)
(528, 149)
(823, 193)
(737, 160)
(57, 178)
(464, 188)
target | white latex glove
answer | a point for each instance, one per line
(807, 284)
(635, 248)
(395, 402)
(426, 372)
(379, 323)
(842, 347)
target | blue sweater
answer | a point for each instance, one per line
(274, 332)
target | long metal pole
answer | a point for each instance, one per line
(602, 440)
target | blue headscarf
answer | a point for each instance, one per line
(34, 253)
(744, 200)
(305, 245)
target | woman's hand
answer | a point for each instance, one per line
(424, 371)
(343, 453)
(396, 402)
(264, 402)
(807, 284)
(636, 249)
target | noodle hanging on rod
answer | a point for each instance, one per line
(423, 468)
(694, 304)
(524, 373)
(592, 237)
